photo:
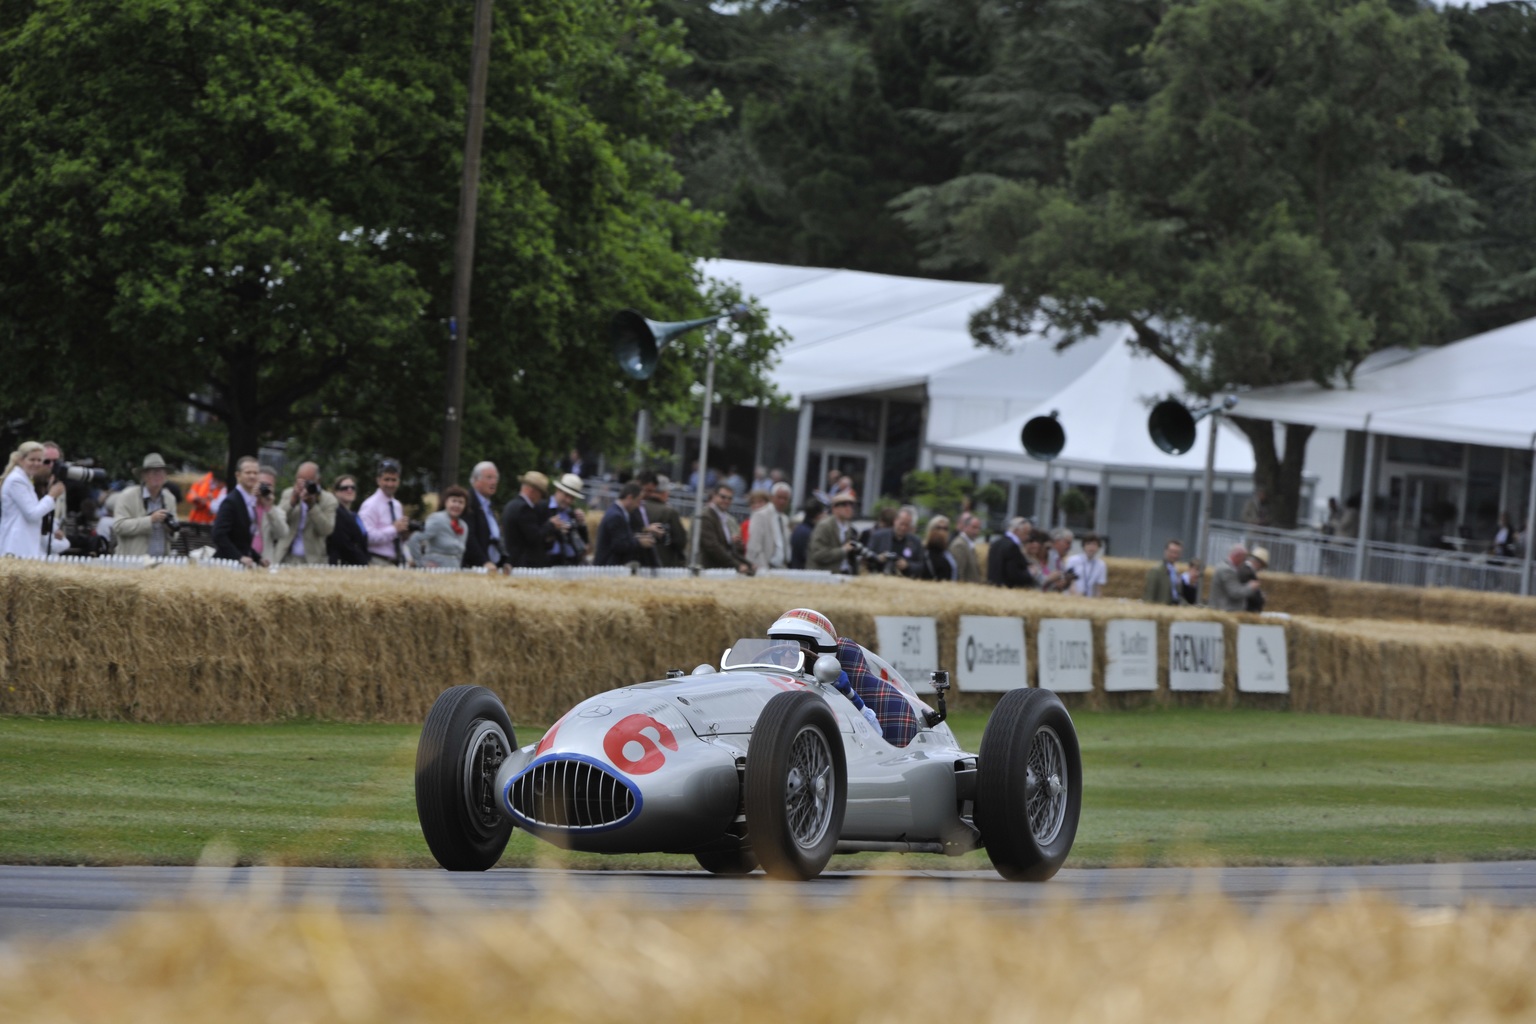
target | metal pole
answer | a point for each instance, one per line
(1530, 528)
(698, 491)
(1207, 486)
(1367, 500)
(1046, 502)
(642, 437)
(802, 486)
(464, 244)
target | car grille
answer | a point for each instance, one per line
(570, 794)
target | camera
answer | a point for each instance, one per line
(311, 488)
(415, 525)
(172, 523)
(885, 560)
(264, 491)
(67, 471)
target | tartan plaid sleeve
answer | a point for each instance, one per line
(898, 720)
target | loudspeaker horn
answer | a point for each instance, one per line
(1172, 426)
(637, 342)
(1043, 437)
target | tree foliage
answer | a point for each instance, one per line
(1265, 216)
(248, 207)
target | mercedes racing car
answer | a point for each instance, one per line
(800, 745)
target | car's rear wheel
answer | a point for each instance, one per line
(734, 861)
(1029, 787)
(466, 737)
(796, 786)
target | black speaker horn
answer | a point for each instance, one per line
(1043, 437)
(1172, 426)
(637, 342)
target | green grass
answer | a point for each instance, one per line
(1161, 787)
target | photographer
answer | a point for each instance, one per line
(146, 515)
(655, 494)
(896, 550)
(72, 524)
(237, 532)
(21, 511)
(526, 533)
(569, 546)
(382, 518)
(833, 541)
(310, 513)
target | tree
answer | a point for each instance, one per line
(247, 207)
(1267, 215)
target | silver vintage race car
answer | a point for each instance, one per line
(799, 746)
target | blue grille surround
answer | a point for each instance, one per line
(571, 793)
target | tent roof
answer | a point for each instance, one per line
(1481, 390)
(1104, 416)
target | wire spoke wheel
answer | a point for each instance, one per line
(796, 786)
(1029, 787)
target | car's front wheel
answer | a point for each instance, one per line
(466, 737)
(1029, 785)
(796, 786)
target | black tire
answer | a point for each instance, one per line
(466, 737)
(796, 788)
(737, 861)
(1027, 822)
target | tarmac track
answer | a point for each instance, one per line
(36, 902)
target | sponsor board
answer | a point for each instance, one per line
(1197, 656)
(1130, 655)
(911, 645)
(1261, 660)
(989, 654)
(1065, 652)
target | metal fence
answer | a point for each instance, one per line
(1308, 553)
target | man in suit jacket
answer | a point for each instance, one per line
(768, 536)
(310, 511)
(833, 535)
(525, 530)
(617, 541)
(1007, 565)
(672, 546)
(902, 547)
(482, 541)
(234, 527)
(963, 549)
(143, 513)
(720, 535)
(1162, 585)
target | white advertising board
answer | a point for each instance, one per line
(1197, 656)
(989, 654)
(1066, 655)
(1261, 660)
(911, 645)
(1130, 655)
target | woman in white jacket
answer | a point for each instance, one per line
(21, 510)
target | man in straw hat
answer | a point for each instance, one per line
(833, 538)
(569, 546)
(146, 514)
(526, 533)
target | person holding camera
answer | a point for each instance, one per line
(833, 540)
(309, 511)
(22, 512)
(569, 546)
(382, 518)
(526, 533)
(145, 523)
(274, 525)
(896, 549)
(237, 534)
(720, 544)
(655, 494)
(618, 542)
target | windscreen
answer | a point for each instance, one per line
(783, 654)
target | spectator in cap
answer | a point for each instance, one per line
(146, 515)
(655, 502)
(526, 533)
(569, 546)
(833, 540)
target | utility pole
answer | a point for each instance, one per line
(464, 243)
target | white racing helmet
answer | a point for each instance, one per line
(808, 626)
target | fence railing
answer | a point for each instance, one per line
(1308, 553)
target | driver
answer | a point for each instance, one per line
(880, 701)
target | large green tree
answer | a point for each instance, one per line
(1269, 214)
(247, 207)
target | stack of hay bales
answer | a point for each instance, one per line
(195, 645)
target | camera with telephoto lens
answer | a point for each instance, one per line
(885, 560)
(64, 472)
